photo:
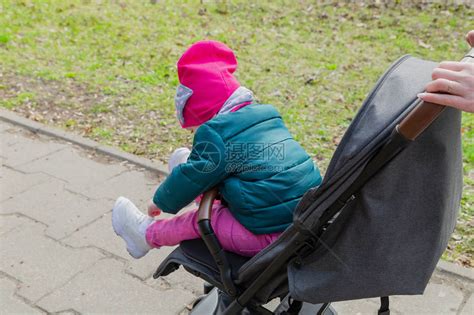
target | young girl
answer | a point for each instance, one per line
(239, 146)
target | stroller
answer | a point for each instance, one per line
(375, 227)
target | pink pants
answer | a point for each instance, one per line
(233, 236)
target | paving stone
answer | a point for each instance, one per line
(12, 304)
(67, 312)
(439, 298)
(179, 279)
(19, 148)
(38, 262)
(64, 212)
(359, 307)
(78, 170)
(137, 186)
(13, 182)
(8, 138)
(5, 126)
(101, 234)
(468, 308)
(106, 289)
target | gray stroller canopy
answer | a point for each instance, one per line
(389, 235)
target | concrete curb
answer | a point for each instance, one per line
(10, 117)
(36, 127)
(456, 270)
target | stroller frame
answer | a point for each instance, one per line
(304, 241)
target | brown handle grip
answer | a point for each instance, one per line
(424, 113)
(205, 206)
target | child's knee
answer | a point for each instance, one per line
(179, 156)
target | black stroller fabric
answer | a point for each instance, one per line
(389, 237)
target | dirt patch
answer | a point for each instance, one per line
(86, 112)
(50, 100)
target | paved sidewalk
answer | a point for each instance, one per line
(59, 253)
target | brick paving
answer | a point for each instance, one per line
(59, 253)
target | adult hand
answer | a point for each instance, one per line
(453, 83)
(470, 38)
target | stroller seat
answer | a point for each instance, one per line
(195, 257)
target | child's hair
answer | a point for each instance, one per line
(205, 73)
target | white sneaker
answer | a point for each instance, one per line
(131, 224)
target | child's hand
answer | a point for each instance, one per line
(153, 210)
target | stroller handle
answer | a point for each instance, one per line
(212, 243)
(424, 113)
(205, 206)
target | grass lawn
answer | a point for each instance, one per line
(106, 69)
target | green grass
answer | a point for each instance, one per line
(17, 100)
(106, 69)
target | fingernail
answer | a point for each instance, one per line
(420, 95)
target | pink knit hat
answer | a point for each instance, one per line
(205, 70)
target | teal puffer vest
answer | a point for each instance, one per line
(260, 170)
